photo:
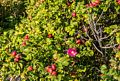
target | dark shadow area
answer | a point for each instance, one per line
(11, 13)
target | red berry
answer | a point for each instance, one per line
(94, 4)
(26, 37)
(97, 1)
(90, 5)
(118, 47)
(16, 60)
(18, 56)
(30, 68)
(78, 41)
(118, 1)
(49, 70)
(50, 36)
(46, 68)
(53, 67)
(14, 53)
(54, 73)
(23, 43)
(74, 14)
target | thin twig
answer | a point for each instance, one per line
(97, 49)
(107, 47)
(92, 29)
(96, 32)
(99, 17)
(100, 32)
(94, 25)
(93, 43)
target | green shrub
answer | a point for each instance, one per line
(53, 32)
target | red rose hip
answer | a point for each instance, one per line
(16, 60)
(30, 68)
(74, 14)
(118, 1)
(97, 1)
(46, 68)
(78, 41)
(54, 73)
(18, 56)
(94, 4)
(23, 43)
(14, 53)
(118, 47)
(49, 69)
(26, 37)
(53, 66)
(50, 36)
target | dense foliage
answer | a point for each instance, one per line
(60, 40)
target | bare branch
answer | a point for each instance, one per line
(100, 32)
(93, 43)
(96, 33)
(92, 27)
(99, 17)
(108, 47)
(97, 49)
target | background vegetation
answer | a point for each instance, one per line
(60, 40)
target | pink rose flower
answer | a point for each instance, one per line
(72, 52)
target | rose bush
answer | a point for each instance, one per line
(61, 40)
